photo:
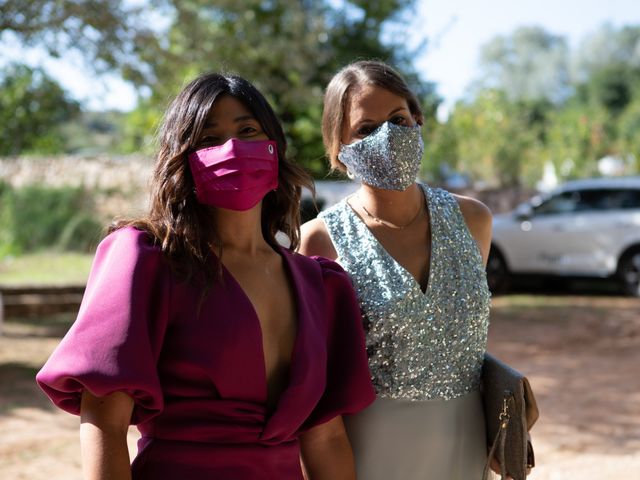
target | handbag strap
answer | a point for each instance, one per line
(499, 441)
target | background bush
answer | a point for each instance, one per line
(37, 217)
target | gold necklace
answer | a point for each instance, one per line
(384, 222)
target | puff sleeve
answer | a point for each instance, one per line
(349, 388)
(116, 339)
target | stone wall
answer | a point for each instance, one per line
(120, 183)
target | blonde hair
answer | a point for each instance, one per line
(364, 72)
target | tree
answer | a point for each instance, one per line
(607, 68)
(288, 48)
(527, 111)
(605, 47)
(32, 107)
(442, 149)
(576, 138)
(629, 125)
(107, 33)
(492, 138)
(529, 64)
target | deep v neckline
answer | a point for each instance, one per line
(414, 283)
(289, 271)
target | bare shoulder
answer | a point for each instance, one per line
(478, 218)
(473, 211)
(315, 240)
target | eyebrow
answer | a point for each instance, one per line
(239, 119)
(365, 120)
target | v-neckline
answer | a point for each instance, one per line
(406, 273)
(289, 271)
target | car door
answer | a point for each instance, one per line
(572, 233)
(539, 242)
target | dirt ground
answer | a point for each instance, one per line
(581, 354)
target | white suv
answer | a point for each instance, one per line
(585, 228)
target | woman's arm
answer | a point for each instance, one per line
(315, 240)
(103, 436)
(326, 452)
(478, 218)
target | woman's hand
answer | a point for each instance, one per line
(495, 466)
(326, 452)
(103, 436)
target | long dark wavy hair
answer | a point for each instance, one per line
(176, 221)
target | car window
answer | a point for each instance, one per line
(565, 202)
(590, 200)
(593, 200)
(630, 198)
(610, 199)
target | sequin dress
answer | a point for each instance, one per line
(425, 349)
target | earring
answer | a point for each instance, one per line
(350, 174)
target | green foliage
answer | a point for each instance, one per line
(35, 217)
(629, 131)
(289, 49)
(46, 267)
(32, 106)
(612, 88)
(536, 102)
(441, 148)
(576, 139)
(139, 127)
(529, 64)
(527, 112)
(93, 132)
(492, 135)
(107, 33)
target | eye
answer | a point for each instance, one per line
(365, 130)
(398, 120)
(248, 131)
(207, 141)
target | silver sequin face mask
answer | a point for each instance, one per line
(388, 158)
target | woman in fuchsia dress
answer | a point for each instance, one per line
(234, 356)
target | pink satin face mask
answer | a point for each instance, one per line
(235, 175)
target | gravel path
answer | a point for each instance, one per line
(581, 354)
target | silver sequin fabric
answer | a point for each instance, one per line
(421, 346)
(388, 158)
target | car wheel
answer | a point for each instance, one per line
(497, 272)
(629, 273)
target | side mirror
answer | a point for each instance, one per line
(524, 211)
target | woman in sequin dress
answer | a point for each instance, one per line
(416, 256)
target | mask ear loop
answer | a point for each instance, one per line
(350, 174)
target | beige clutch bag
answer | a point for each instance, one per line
(510, 411)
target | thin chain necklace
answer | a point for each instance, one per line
(386, 223)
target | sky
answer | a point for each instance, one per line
(455, 30)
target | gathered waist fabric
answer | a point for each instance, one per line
(220, 421)
(164, 459)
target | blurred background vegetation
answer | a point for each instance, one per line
(536, 103)
(288, 48)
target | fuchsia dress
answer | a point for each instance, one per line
(198, 376)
